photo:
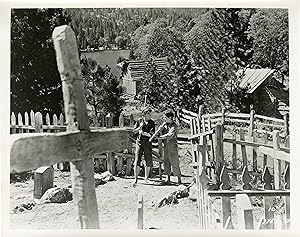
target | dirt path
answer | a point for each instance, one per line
(117, 204)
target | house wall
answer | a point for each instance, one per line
(263, 104)
(130, 86)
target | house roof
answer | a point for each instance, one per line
(108, 57)
(253, 78)
(137, 67)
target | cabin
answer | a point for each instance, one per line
(108, 58)
(134, 70)
(269, 95)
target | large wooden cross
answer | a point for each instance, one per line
(78, 145)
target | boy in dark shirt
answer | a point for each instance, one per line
(145, 127)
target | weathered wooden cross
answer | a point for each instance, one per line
(78, 145)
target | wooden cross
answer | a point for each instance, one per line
(78, 145)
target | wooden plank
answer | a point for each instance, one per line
(226, 204)
(61, 119)
(287, 198)
(194, 153)
(254, 152)
(232, 193)
(246, 178)
(277, 155)
(254, 144)
(26, 118)
(20, 122)
(54, 121)
(251, 123)
(223, 116)
(268, 222)
(194, 136)
(190, 113)
(286, 124)
(121, 120)
(36, 145)
(244, 212)
(243, 148)
(211, 141)
(199, 120)
(270, 125)
(140, 207)
(238, 115)
(13, 122)
(219, 148)
(32, 122)
(277, 171)
(48, 123)
(234, 157)
(234, 120)
(257, 116)
(212, 115)
(265, 157)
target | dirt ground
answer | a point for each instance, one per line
(117, 204)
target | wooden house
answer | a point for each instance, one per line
(108, 58)
(267, 93)
(134, 71)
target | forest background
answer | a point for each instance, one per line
(204, 46)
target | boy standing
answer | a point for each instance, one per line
(145, 127)
(170, 146)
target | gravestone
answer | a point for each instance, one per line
(43, 180)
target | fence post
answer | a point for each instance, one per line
(110, 158)
(268, 222)
(109, 120)
(140, 224)
(48, 121)
(243, 148)
(121, 121)
(131, 121)
(226, 206)
(20, 122)
(32, 121)
(38, 122)
(287, 198)
(200, 118)
(161, 155)
(13, 122)
(223, 116)
(286, 124)
(26, 122)
(244, 212)
(219, 147)
(251, 125)
(276, 163)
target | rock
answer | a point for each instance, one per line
(182, 191)
(193, 192)
(56, 195)
(23, 207)
(103, 178)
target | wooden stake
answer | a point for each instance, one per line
(244, 212)
(140, 224)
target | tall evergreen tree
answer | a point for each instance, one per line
(35, 81)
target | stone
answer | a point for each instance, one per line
(56, 195)
(103, 178)
(43, 180)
